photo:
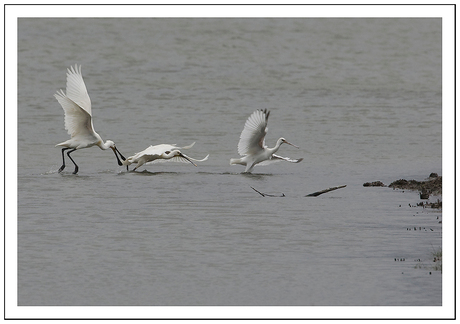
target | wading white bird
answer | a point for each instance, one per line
(161, 153)
(78, 119)
(252, 143)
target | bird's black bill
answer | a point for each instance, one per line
(121, 155)
(115, 151)
(185, 157)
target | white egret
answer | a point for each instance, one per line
(161, 153)
(78, 119)
(252, 143)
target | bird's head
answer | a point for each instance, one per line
(283, 140)
(111, 144)
(176, 153)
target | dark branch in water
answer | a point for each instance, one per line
(315, 194)
(267, 195)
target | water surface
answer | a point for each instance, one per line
(361, 97)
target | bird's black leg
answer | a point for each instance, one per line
(63, 160)
(76, 166)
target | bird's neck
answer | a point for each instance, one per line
(100, 142)
(105, 146)
(102, 145)
(277, 146)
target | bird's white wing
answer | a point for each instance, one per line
(276, 158)
(159, 149)
(174, 159)
(77, 121)
(153, 150)
(280, 158)
(252, 138)
(178, 159)
(76, 89)
(147, 158)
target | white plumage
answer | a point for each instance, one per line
(78, 119)
(252, 138)
(252, 143)
(161, 153)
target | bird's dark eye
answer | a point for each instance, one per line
(167, 152)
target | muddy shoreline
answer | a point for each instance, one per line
(432, 186)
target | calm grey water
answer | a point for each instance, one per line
(361, 97)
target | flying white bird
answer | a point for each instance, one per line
(161, 153)
(252, 143)
(78, 119)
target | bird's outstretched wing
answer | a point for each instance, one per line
(277, 157)
(179, 159)
(252, 138)
(76, 104)
(157, 149)
(147, 158)
(77, 121)
(76, 89)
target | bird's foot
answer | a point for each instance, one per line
(61, 168)
(76, 170)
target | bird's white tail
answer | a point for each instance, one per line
(202, 160)
(235, 161)
(189, 146)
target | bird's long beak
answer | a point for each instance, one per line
(291, 144)
(185, 157)
(115, 151)
(121, 155)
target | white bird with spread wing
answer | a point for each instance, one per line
(252, 143)
(161, 153)
(78, 119)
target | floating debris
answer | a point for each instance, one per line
(267, 195)
(315, 194)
